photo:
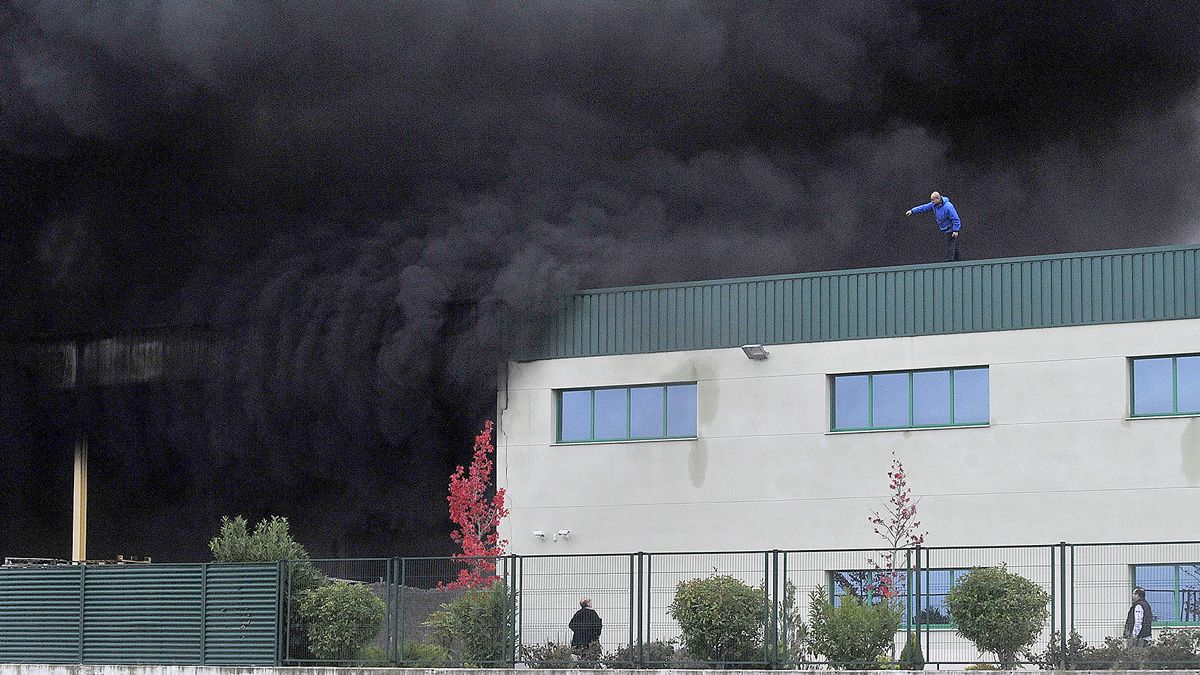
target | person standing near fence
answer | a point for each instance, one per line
(1139, 620)
(585, 625)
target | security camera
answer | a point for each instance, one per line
(562, 534)
(539, 534)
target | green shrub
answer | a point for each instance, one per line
(472, 629)
(1172, 649)
(721, 619)
(982, 666)
(341, 618)
(419, 655)
(557, 656)
(999, 611)
(656, 654)
(269, 541)
(853, 635)
(911, 657)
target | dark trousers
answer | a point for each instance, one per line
(951, 247)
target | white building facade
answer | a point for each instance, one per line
(1032, 400)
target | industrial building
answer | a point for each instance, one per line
(1034, 400)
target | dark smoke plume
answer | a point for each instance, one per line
(354, 193)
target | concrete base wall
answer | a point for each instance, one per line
(28, 669)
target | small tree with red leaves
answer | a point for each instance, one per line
(898, 526)
(477, 516)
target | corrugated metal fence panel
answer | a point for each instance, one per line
(156, 614)
(1036, 292)
(39, 615)
(241, 615)
(146, 614)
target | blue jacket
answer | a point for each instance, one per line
(947, 217)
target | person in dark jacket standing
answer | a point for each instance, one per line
(947, 221)
(585, 625)
(1139, 620)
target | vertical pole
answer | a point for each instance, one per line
(909, 615)
(79, 505)
(766, 607)
(204, 614)
(82, 594)
(400, 609)
(775, 609)
(1072, 588)
(918, 617)
(1062, 561)
(641, 605)
(280, 623)
(287, 608)
(1053, 592)
(518, 600)
(632, 600)
(649, 597)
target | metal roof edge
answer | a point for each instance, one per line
(891, 268)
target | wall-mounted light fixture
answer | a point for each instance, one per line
(755, 352)
(562, 534)
(538, 534)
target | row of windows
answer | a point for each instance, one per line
(1160, 385)
(1172, 590)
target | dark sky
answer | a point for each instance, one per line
(354, 191)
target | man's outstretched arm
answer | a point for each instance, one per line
(920, 209)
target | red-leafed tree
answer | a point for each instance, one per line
(898, 526)
(476, 516)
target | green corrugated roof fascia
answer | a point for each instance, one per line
(1071, 289)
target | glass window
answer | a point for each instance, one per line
(646, 412)
(971, 401)
(622, 413)
(612, 413)
(1153, 386)
(1187, 382)
(911, 399)
(889, 400)
(681, 410)
(851, 405)
(873, 586)
(1173, 591)
(931, 397)
(575, 416)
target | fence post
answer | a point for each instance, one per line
(632, 600)
(203, 614)
(82, 593)
(641, 604)
(775, 609)
(909, 614)
(517, 589)
(917, 617)
(1062, 570)
(280, 631)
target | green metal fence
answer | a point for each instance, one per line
(1087, 586)
(155, 614)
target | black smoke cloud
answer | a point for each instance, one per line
(355, 193)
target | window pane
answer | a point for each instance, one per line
(889, 399)
(931, 397)
(1159, 582)
(850, 402)
(681, 410)
(611, 413)
(576, 416)
(646, 412)
(1189, 593)
(1152, 386)
(1187, 373)
(971, 405)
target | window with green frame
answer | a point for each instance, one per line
(1164, 385)
(929, 604)
(642, 412)
(1173, 592)
(910, 399)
